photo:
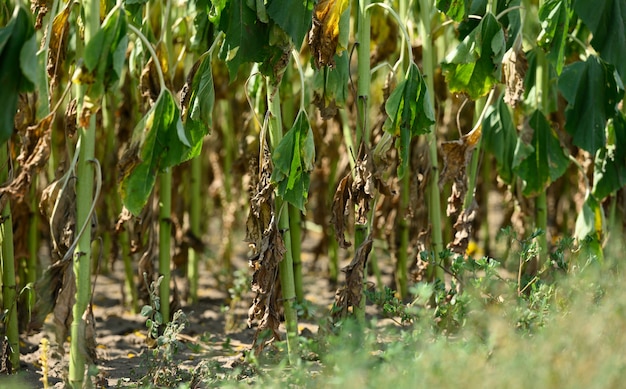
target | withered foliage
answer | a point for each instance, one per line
(356, 191)
(40, 8)
(34, 154)
(268, 249)
(324, 35)
(57, 49)
(149, 82)
(349, 296)
(514, 66)
(456, 156)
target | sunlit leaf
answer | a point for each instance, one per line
(155, 146)
(456, 10)
(293, 159)
(105, 55)
(17, 66)
(293, 16)
(58, 42)
(607, 21)
(590, 220)
(324, 37)
(246, 39)
(609, 173)
(592, 93)
(474, 66)
(197, 100)
(547, 162)
(500, 138)
(554, 16)
(410, 113)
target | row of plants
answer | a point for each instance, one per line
(370, 99)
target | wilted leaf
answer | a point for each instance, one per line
(34, 153)
(500, 138)
(554, 16)
(547, 162)
(331, 87)
(341, 210)
(609, 173)
(590, 220)
(592, 93)
(294, 158)
(456, 155)
(410, 113)
(607, 21)
(324, 36)
(58, 42)
(474, 66)
(268, 250)
(294, 17)
(156, 145)
(17, 55)
(350, 295)
(514, 66)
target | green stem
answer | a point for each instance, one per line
(296, 251)
(165, 229)
(9, 284)
(473, 173)
(285, 267)
(434, 202)
(84, 199)
(195, 210)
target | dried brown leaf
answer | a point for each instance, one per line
(149, 82)
(514, 67)
(324, 35)
(40, 8)
(58, 42)
(34, 154)
(350, 295)
(268, 249)
(341, 210)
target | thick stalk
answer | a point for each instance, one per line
(84, 198)
(363, 132)
(194, 223)
(285, 267)
(434, 202)
(9, 284)
(542, 84)
(165, 229)
(296, 250)
(405, 194)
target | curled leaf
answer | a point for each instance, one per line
(58, 42)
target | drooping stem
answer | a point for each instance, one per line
(165, 230)
(434, 202)
(9, 284)
(285, 267)
(84, 200)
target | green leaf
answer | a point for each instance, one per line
(500, 138)
(456, 10)
(246, 39)
(530, 91)
(590, 220)
(294, 159)
(155, 146)
(547, 162)
(607, 21)
(105, 55)
(554, 16)
(17, 66)
(609, 174)
(294, 17)
(474, 66)
(146, 311)
(592, 93)
(410, 113)
(330, 86)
